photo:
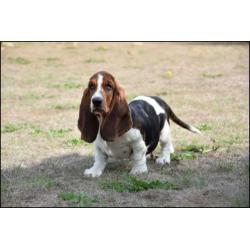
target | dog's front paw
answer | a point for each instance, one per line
(162, 160)
(139, 169)
(92, 172)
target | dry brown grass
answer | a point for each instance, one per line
(42, 85)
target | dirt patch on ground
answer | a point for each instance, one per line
(43, 160)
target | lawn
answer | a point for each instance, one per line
(43, 158)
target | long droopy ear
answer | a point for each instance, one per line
(87, 122)
(118, 120)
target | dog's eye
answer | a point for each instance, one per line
(91, 86)
(108, 86)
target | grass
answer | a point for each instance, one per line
(162, 93)
(191, 151)
(131, 184)
(78, 199)
(246, 168)
(58, 132)
(37, 182)
(51, 132)
(182, 156)
(32, 96)
(186, 179)
(43, 181)
(76, 142)
(204, 127)
(207, 75)
(47, 150)
(200, 181)
(53, 62)
(13, 127)
(225, 166)
(232, 140)
(37, 131)
(4, 186)
(240, 202)
(195, 148)
(94, 60)
(19, 60)
(240, 66)
(69, 85)
(101, 48)
(52, 59)
(64, 106)
(40, 182)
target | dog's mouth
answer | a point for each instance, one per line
(98, 111)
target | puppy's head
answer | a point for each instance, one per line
(102, 86)
(103, 105)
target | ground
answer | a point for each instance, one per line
(43, 158)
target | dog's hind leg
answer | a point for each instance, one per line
(166, 145)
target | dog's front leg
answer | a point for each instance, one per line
(138, 157)
(99, 164)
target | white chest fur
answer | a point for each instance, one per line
(121, 148)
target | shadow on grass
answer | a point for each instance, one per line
(26, 185)
(217, 180)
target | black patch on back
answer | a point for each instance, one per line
(163, 104)
(148, 122)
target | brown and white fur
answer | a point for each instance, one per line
(124, 131)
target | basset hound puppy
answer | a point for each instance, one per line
(120, 130)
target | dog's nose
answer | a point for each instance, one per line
(97, 101)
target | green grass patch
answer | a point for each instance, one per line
(204, 127)
(40, 182)
(191, 151)
(33, 96)
(69, 85)
(58, 132)
(207, 75)
(18, 60)
(76, 142)
(240, 66)
(182, 156)
(194, 148)
(94, 60)
(132, 184)
(101, 48)
(78, 199)
(52, 59)
(51, 132)
(64, 106)
(233, 140)
(13, 127)
(37, 131)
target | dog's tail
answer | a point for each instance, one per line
(173, 116)
(181, 123)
